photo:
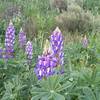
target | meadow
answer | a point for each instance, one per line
(49, 49)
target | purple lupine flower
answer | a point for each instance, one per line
(29, 50)
(45, 63)
(45, 66)
(56, 40)
(22, 39)
(10, 38)
(52, 56)
(85, 42)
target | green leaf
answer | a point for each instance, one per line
(64, 86)
(39, 96)
(97, 93)
(57, 96)
(1, 61)
(35, 97)
(45, 98)
(89, 95)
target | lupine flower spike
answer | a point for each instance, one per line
(29, 51)
(10, 39)
(85, 42)
(22, 39)
(52, 56)
(45, 63)
(56, 40)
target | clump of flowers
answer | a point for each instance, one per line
(52, 56)
(45, 63)
(10, 39)
(29, 50)
(85, 42)
(22, 39)
(56, 40)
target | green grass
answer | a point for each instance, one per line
(81, 80)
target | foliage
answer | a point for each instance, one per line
(93, 5)
(80, 80)
(81, 77)
(73, 21)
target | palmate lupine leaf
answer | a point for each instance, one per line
(88, 94)
(86, 85)
(54, 83)
(57, 96)
(13, 88)
(38, 93)
(64, 86)
(41, 96)
(89, 77)
(97, 93)
(50, 89)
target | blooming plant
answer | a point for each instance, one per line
(29, 52)
(85, 42)
(46, 63)
(8, 51)
(80, 67)
(10, 38)
(52, 55)
(22, 39)
(56, 40)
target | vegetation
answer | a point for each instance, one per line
(80, 28)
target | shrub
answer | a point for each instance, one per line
(78, 2)
(59, 4)
(75, 19)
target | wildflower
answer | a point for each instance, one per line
(29, 50)
(56, 40)
(22, 39)
(85, 42)
(10, 39)
(7, 54)
(45, 63)
(45, 66)
(52, 56)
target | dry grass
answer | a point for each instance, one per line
(72, 37)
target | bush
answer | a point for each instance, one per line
(75, 19)
(78, 2)
(60, 5)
